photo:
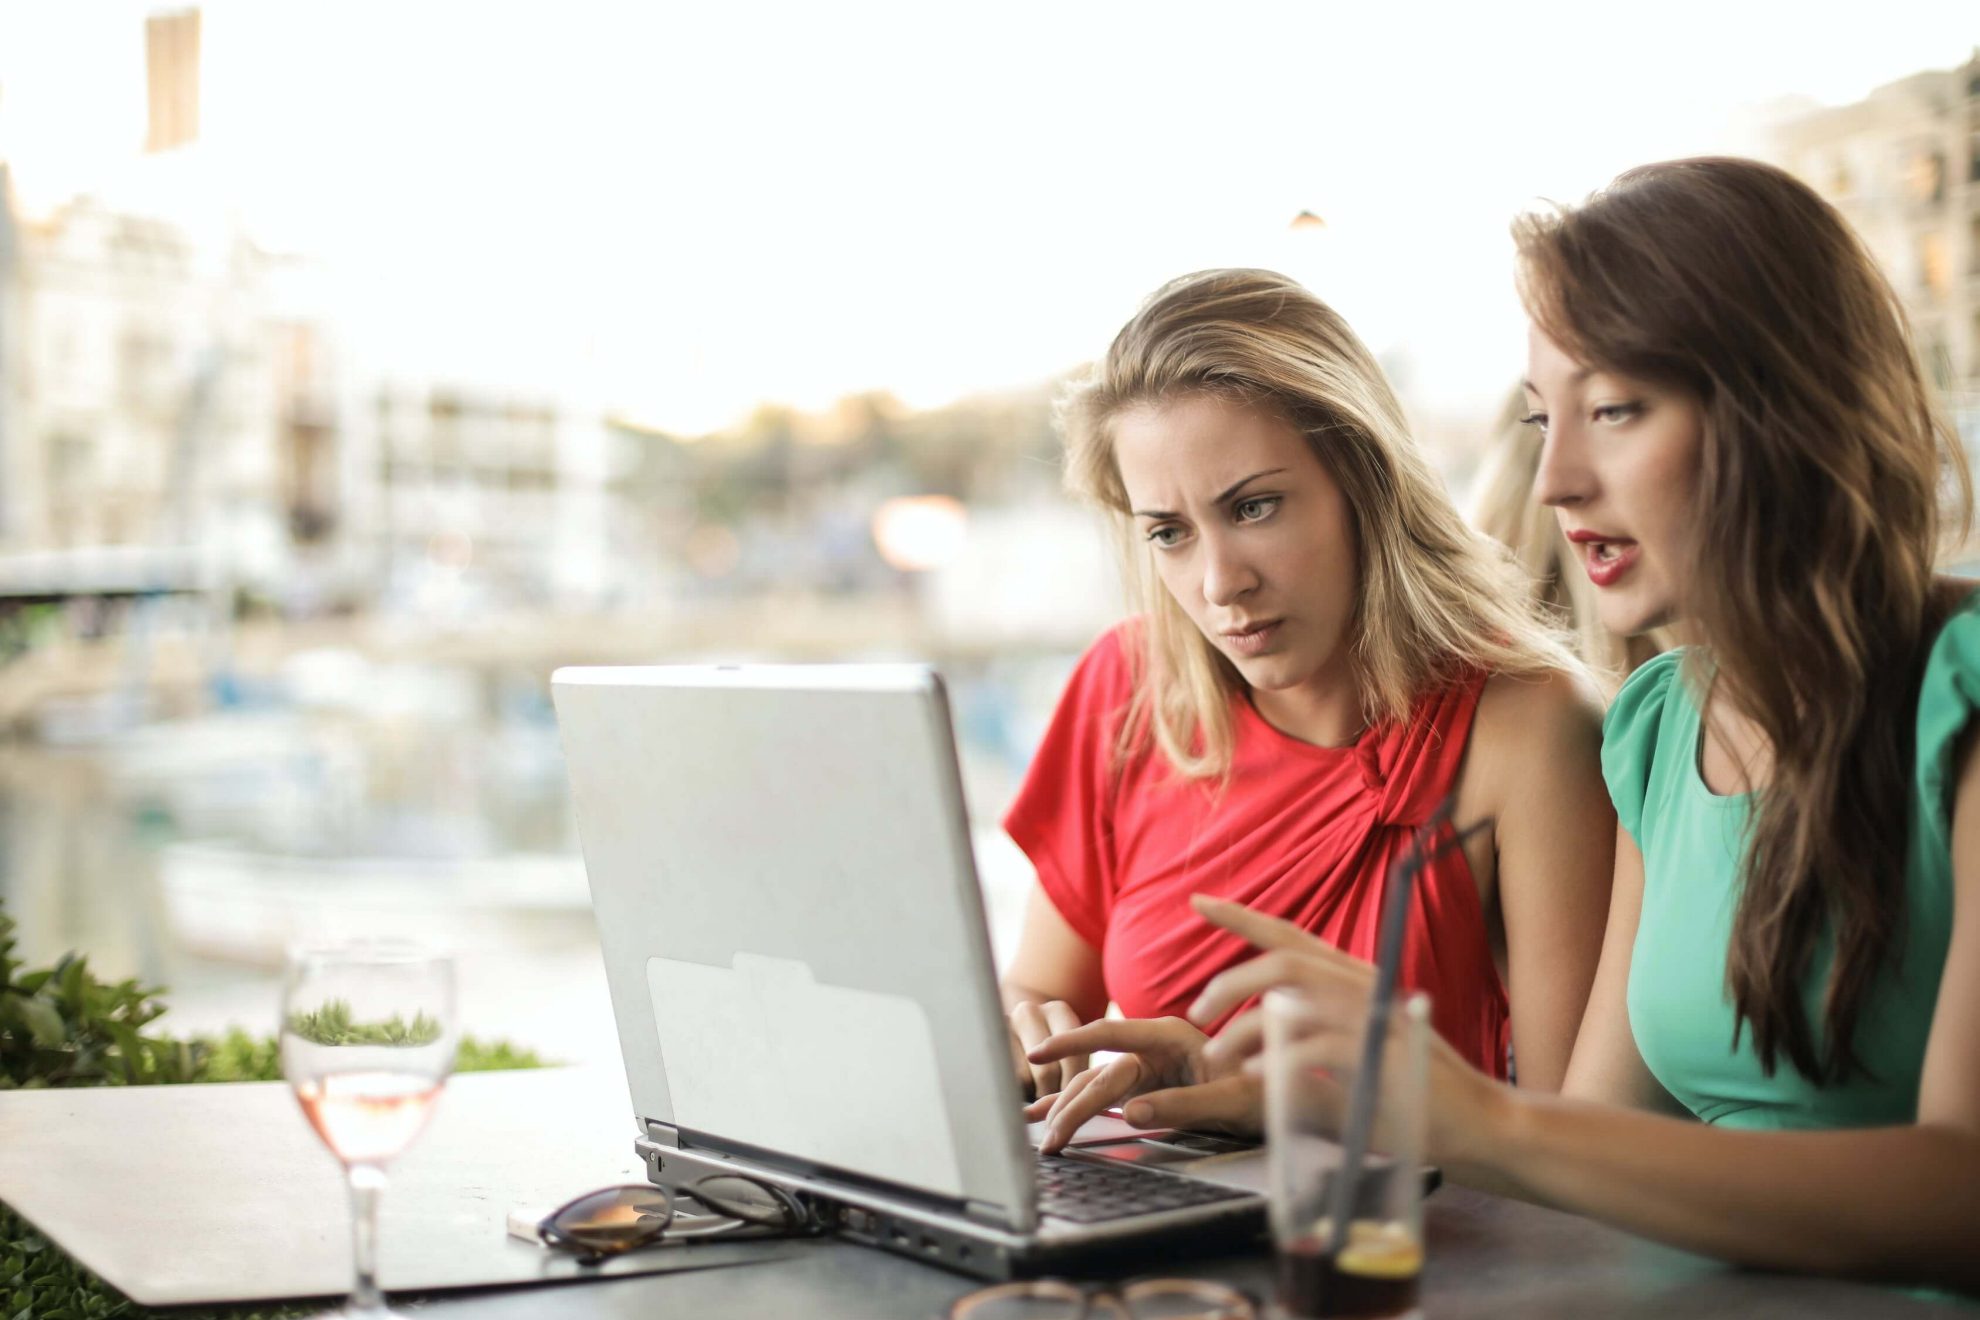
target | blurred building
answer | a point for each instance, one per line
(182, 408)
(10, 343)
(1903, 165)
(137, 389)
(181, 394)
(461, 496)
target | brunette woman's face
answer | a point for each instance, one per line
(1250, 534)
(1619, 464)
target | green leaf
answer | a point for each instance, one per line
(74, 975)
(43, 1022)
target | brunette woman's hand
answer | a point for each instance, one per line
(1161, 1070)
(1336, 987)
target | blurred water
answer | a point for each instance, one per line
(425, 801)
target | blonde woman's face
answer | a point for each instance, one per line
(1249, 533)
(1619, 465)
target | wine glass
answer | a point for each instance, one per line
(368, 1038)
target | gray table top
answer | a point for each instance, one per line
(222, 1192)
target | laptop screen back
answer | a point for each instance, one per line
(780, 868)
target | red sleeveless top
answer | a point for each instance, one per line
(1301, 832)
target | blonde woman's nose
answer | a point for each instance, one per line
(1227, 574)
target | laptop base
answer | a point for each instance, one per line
(949, 1239)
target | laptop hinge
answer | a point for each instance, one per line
(984, 1212)
(663, 1134)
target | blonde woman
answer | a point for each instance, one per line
(1324, 653)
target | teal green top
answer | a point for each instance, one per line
(1691, 840)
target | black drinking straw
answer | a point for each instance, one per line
(1388, 954)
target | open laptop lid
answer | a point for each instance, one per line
(780, 867)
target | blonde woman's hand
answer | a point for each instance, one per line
(1161, 1072)
(1031, 1024)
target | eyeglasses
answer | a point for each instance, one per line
(1145, 1299)
(615, 1220)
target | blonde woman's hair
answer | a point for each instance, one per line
(1434, 599)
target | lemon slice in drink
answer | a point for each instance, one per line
(1380, 1251)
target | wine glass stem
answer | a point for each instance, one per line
(367, 1184)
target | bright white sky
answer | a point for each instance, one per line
(691, 208)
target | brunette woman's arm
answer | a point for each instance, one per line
(1607, 1066)
(1900, 1203)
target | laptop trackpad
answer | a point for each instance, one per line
(760, 1052)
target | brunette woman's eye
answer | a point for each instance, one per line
(1617, 412)
(1256, 509)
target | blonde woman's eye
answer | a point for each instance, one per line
(1538, 419)
(1256, 510)
(1164, 537)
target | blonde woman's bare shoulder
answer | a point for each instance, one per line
(1531, 722)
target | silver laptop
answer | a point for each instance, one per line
(780, 865)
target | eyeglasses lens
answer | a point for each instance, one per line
(1185, 1299)
(616, 1219)
(748, 1200)
(1036, 1300)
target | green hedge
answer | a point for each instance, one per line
(60, 1026)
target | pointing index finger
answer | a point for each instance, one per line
(1124, 1034)
(1268, 932)
(1255, 927)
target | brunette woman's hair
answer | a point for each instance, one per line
(1434, 599)
(1827, 481)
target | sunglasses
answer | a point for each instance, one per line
(614, 1220)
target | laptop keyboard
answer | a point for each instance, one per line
(1090, 1191)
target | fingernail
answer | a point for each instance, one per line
(1138, 1113)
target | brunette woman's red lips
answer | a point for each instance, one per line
(1605, 557)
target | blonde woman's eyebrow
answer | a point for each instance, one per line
(1228, 494)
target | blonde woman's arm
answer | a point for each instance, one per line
(1053, 984)
(1535, 765)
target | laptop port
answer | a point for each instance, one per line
(930, 1245)
(901, 1238)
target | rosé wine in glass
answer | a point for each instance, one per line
(368, 1038)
